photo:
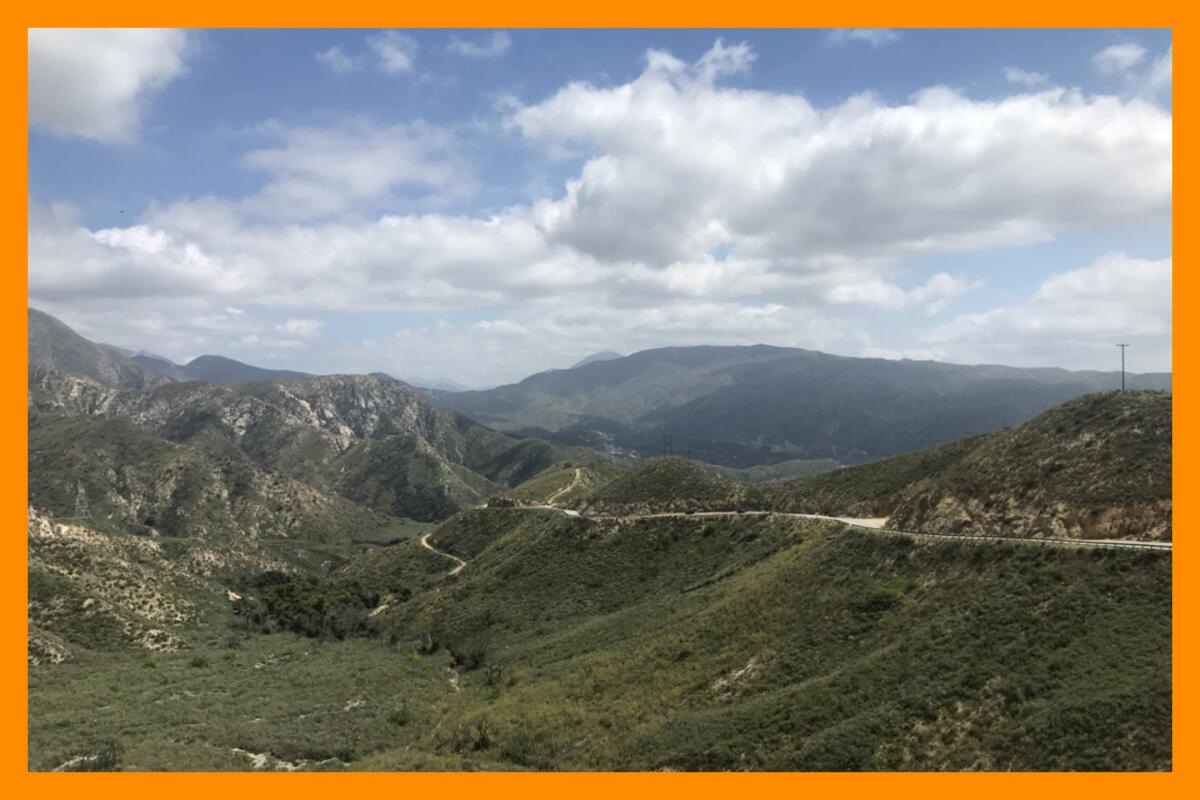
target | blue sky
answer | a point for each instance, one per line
(479, 205)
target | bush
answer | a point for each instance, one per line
(471, 653)
(308, 605)
(400, 716)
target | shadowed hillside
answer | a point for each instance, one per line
(741, 406)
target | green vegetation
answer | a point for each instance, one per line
(136, 482)
(565, 483)
(243, 591)
(1098, 467)
(671, 643)
(309, 606)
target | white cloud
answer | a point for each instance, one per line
(304, 329)
(395, 52)
(722, 60)
(95, 83)
(323, 171)
(1118, 58)
(1074, 319)
(872, 36)
(700, 214)
(769, 176)
(336, 59)
(1025, 77)
(496, 45)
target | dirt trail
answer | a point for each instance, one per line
(425, 543)
(574, 481)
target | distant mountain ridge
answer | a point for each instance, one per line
(740, 406)
(607, 355)
(215, 369)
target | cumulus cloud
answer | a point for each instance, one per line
(1074, 319)
(338, 61)
(1118, 58)
(395, 52)
(698, 213)
(496, 45)
(96, 83)
(768, 175)
(872, 36)
(1025, 77)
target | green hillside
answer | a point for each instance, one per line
(1097, 467)
(135, 482)
(681, 643)
(564, 484)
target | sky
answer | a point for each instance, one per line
(476, 206)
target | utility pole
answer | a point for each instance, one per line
(1123, 346)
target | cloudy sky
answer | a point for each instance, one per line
(476, 206)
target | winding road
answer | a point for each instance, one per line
(425, 543)
(869, 523)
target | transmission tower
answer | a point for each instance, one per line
(1123, 346)
(81, 504)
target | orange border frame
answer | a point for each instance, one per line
(543, 13)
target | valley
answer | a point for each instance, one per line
(335, 573)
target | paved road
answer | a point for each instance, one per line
(878, 523)
(869, 523)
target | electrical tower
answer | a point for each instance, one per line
(1123, 346)
(81, 504)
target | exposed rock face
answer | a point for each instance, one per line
(372, 439)
(1146, 521)
(1098, 467)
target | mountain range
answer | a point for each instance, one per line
(740, 406)
(337, 573)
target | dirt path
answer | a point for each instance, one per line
(574, 481)
(425, 543)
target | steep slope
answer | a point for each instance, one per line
(132, 481)
(778, 644)
(53, 345)
(1097, 467)
(738, 406)
(750, 643)
(93, 590)
(375, 440)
